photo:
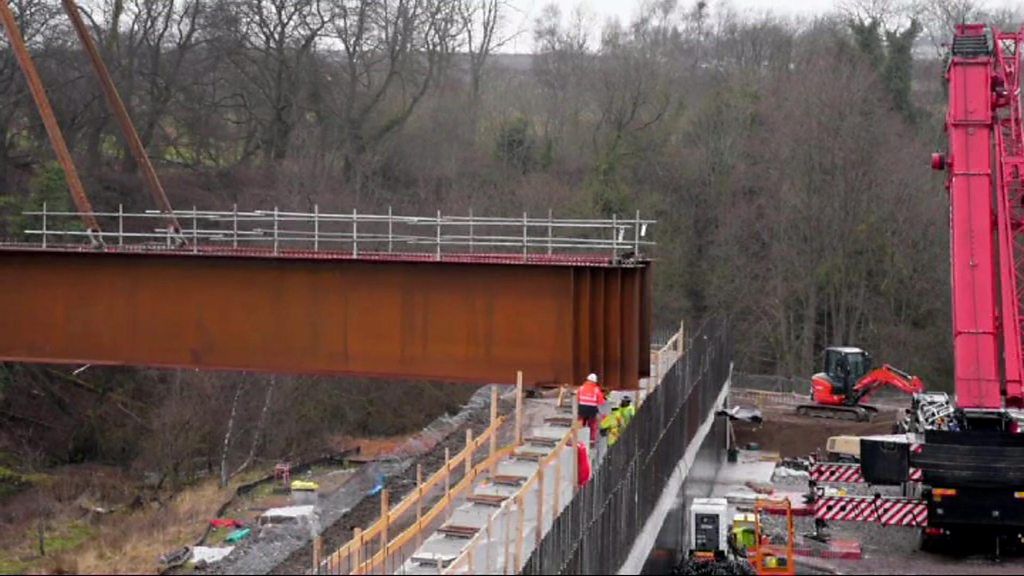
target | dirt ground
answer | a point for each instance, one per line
(792, 436)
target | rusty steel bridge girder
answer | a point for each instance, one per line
(474, 321)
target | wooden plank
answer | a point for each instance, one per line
(488, 569)
(487, 499)
(357, 537)
(522, 528)
(540, 505)
(558, 482)
(469, 449)
(419, 498)
(384, 514)
(493, 436)
(465, 532)
(519, 407)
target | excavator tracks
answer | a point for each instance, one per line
(859, 413)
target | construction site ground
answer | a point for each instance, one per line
(886, 550)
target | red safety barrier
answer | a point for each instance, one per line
(885, 511)
(847, 473)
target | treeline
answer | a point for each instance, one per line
(786, 161)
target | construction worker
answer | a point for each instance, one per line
(590, 398)
(626, 410)
(611, 426)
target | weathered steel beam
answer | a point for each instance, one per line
(476, 322)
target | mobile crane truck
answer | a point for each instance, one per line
(973, 464)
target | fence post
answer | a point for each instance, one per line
(390, 229)
(555, 508)
(575, 444)
(521, 506)
(44, 224)
(316, 227)
(275, 230)
(355, 233)
(469, 451)
(318, 552)
(419, 504)
(447, 478)
(488, 569)
(195, 231)
(508, 540)
(384, 504)
(682, 337)
(234, 226)
(550, 230)
(120, 225)
(438, 235)
(636, 232)
(471, 247)
(357, 553)
(540, 504)
(525, 235)
(519, 407)
(493, 428)
(615, 236)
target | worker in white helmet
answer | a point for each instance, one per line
(590, 398)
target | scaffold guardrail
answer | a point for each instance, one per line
(355, 232)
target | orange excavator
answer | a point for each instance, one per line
(847, 380)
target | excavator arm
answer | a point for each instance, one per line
(886, 376)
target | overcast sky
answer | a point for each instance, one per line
(525, 11)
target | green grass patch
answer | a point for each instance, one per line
(68, 537)
(217, 536)
(11, 482)
(12, 566)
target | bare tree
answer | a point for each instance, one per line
(270, 43)
(391, 55)
(35, 18)
(482, 21)
(225, 452)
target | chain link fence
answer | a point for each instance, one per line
(595, 533)
(769, 383)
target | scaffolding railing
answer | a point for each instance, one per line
(280, 231)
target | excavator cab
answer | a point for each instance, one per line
(845, 366)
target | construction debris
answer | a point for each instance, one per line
(176, 557)
(288, 515)
(742, 413)
(304, 486)
(238, 535)
(226, 523)
(209, 554)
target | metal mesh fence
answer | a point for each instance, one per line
(770, 383)
(595, 533)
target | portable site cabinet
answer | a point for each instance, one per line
(709, 526)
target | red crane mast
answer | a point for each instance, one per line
(986, 216)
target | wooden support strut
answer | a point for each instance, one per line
(519, 408)
(60, 147)
(120, 111)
